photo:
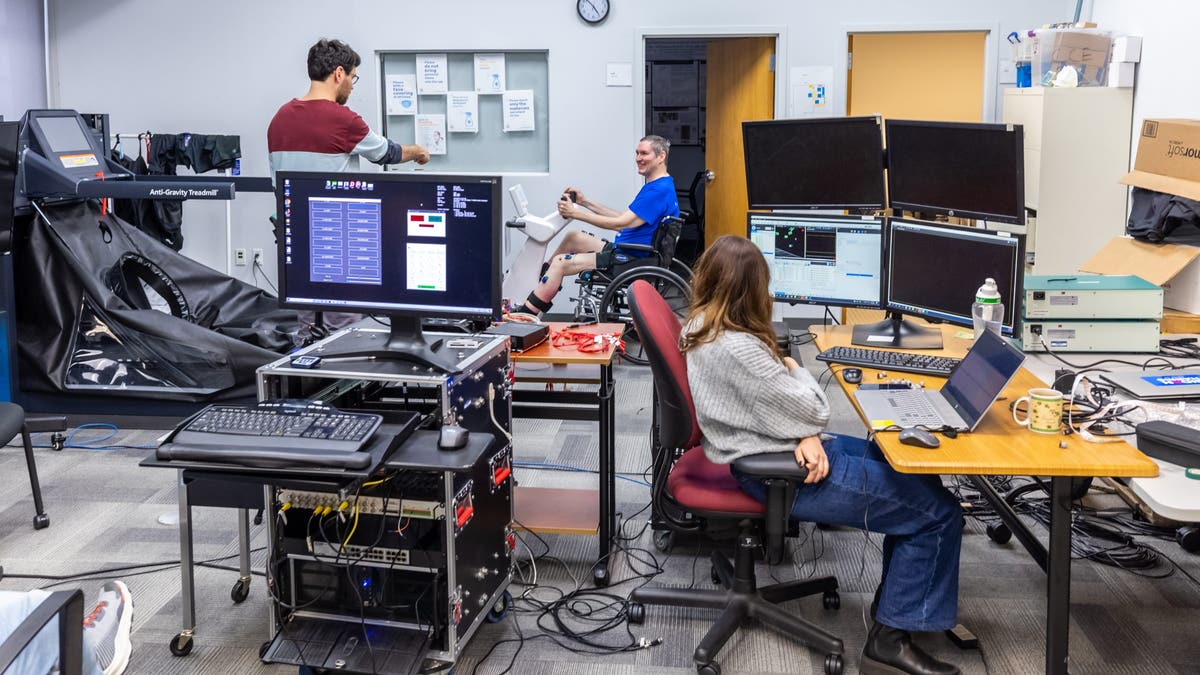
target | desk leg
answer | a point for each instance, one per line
(608, 488)
(1009, 517)
(242, 588)
(1058, 576)
(182, 644)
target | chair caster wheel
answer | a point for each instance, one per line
(834, 664)
(500, 608)
(714, 576)
(41, 521)
(999, 533)
(664, 541)
(710, 668)
(636, 612)
(831, 600)
(181, 645)
(240, 591)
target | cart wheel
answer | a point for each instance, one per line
(500, 608)
(999, 533)
(241, 590)
(831, 600)
(664, 541)
(636, 612)
(834, 664)
(710, 668)
(41, 521)
(181, 645)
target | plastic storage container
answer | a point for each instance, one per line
(1084, 51)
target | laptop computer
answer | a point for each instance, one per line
(961, 403)
(1156, 384)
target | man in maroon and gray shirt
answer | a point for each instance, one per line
(319, 133)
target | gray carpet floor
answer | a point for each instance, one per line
(106, 512)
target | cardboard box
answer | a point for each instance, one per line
(1127, 49)
(1086, 51)
(1121, 74)
(1168, 158)
(1172, 266)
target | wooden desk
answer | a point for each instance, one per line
(999, 446)
(567, 511)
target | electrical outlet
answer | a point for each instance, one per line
(239, 256)
(258, 256)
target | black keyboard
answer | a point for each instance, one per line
(881, 359)
(287, 424)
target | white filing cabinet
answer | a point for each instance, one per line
(1076, 149)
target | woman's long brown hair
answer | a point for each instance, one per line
(730, 292)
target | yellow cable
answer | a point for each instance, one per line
(354, 527)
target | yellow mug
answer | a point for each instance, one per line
(1045, 408)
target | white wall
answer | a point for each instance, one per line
(22, 58)
(1166, 85)
(165, 76)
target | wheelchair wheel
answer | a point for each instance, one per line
(614, 307)
(681, 270)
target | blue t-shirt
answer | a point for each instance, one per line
(655, 201)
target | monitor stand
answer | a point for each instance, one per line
(407, 342)
(895, 331)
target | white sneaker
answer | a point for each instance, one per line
(109, 623)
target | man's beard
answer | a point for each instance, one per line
(342, 98)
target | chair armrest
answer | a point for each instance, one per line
(634, 247)
(68, 607)
(45, 423)
(772, 465)
(781, 475)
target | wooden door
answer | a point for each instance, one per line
(917, 76)
(741, 86)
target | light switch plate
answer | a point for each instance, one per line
(618, 75)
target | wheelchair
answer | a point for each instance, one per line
(603, 294)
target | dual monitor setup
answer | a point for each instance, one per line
(901, 265)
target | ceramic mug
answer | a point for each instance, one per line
(1044, 411)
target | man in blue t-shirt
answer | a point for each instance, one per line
(580, 251)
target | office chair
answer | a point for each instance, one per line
(67, 608)
(13, 422)
(708, 493)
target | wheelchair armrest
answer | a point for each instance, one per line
(781, 475)
(45, 423)
(634, 247)
(68, 607)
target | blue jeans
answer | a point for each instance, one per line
(41, 656)
(920, 519)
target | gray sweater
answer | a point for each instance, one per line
(747, 402)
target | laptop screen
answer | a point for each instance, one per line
(981, 376)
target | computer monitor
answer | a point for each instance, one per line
(9, 132)
(822, 163)
(822, 260)
(933, 272)
(404, 245)
(971, 170)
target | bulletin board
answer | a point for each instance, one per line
(409, 113)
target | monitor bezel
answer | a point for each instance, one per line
(1012, 301)
(750, 215)
(1018, 139)
(400, 310)
(874, 120)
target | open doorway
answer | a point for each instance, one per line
(699, 90)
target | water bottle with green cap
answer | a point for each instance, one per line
(987, 312)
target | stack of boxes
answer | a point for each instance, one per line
(1126, 52)
(1090, 313)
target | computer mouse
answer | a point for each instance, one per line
(452, 437)
(919, 437)
(852, 375)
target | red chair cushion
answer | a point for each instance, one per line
(697, 483)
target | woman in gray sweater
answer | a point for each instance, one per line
(749, 400)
